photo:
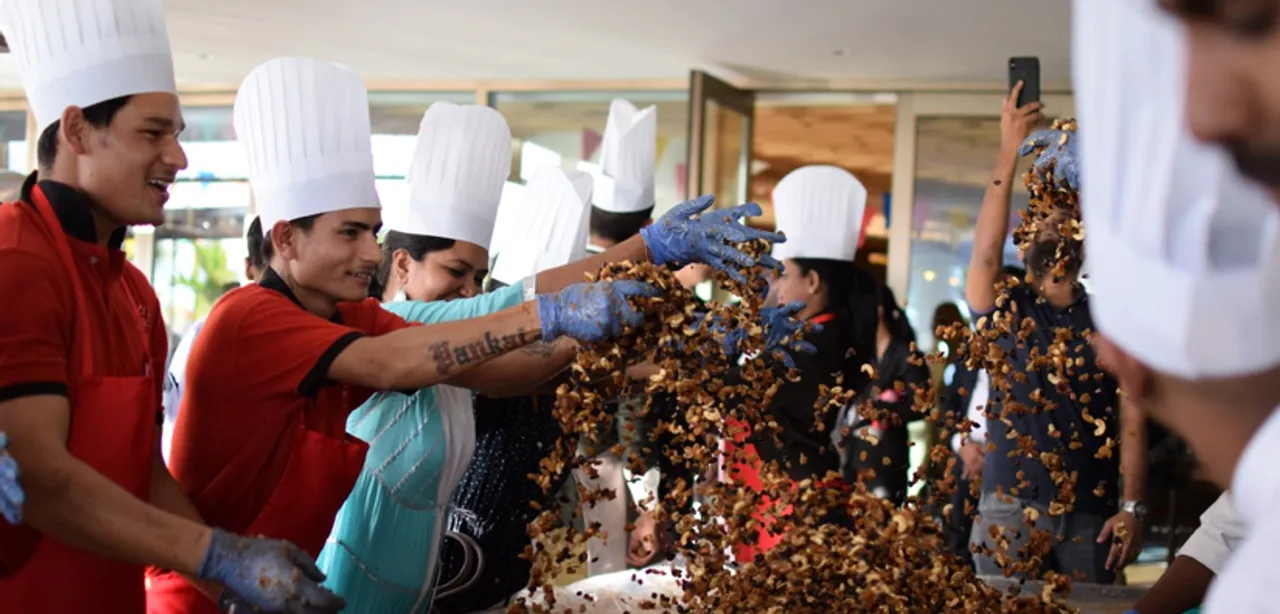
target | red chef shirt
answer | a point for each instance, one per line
(259, 367)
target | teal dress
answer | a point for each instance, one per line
(383, 552)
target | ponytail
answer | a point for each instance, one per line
(853, 297)
(895, 319)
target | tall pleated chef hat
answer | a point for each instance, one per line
(553, 220)
(628, 157)
(1188, 266)
(819, 208)
(83, 52)
(505, 223)
(460, 164)
(304, 124)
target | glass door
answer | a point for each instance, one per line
(720, 118)
(945, 146)
(720, 123)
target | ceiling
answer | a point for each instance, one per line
(886, 44)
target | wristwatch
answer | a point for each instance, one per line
(1137, 508)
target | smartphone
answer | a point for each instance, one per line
(1026, 70)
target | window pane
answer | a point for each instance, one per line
(395, 117)
(13, 151)
(571, 124)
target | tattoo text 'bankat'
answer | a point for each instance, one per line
(447, 356)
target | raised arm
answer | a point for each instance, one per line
(423, 356)
(993, 219)
(688, 234)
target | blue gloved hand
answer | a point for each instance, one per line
(11, 495)
(779, 326)
(683, 237)
(266, 575)
(1057, 153)
(592, 312)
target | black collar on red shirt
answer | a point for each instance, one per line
(272, 281)
(73, 209)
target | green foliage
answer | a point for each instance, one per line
(209, 276)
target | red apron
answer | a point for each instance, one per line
(746, 471)
(320, 474)
(113, 430)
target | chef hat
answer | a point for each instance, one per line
(459, 167)
(628, 156)
(304, 125)
(1188, 275)
(83, 52)
(553, 220)
(506, 222)
(820, 210)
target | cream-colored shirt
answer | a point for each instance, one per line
(1220, 533)
(1248, 582)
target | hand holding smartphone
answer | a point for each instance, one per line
(1026, 70)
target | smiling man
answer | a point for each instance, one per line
(84, 344)
(1188, 303)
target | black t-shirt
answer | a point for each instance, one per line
(1057, 412)
(807, 451)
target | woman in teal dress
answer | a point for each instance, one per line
(382, 555)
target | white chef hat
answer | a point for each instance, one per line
(83, 52)
(628, 157)
(456, 178)
(507, 219)
(1188, 274)
(553, 222)
(304, 124)
(820, 209)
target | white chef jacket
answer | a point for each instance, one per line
(976, 413)
(1220, 533)
(1248, 582)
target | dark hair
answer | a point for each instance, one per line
(1014, 271)
(895, 319)
(227, 287)
(304, 223)
(98, 115)
(946, 314)
(253, 238)
(618, 227)
(418, 247)
(853, 296)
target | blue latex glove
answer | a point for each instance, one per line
(266, 575)
(779, 325)
(683, 237)
(11, 495)
(592, 312)
(1057, 152)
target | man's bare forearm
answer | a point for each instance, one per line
(519, 373)
(168, 495)
(424, 356)
(1133, 450)
(70, 501)
(990, 231)
(1182, 587)
(75, 504)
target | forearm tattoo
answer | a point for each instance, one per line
(447, 355)
(540, 349)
